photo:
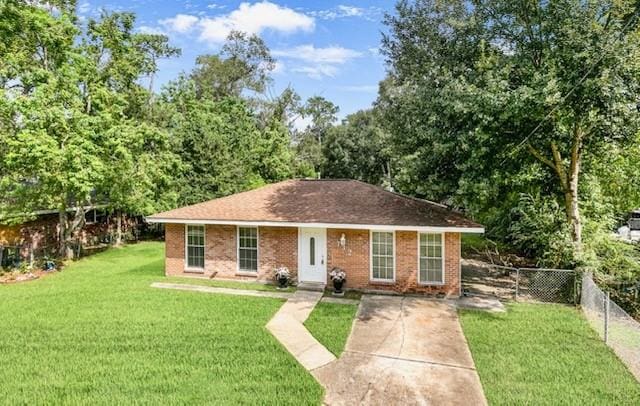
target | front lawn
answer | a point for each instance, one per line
(330, 323)
(97, 333)
(545, 355)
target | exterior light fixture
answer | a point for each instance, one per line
(343, 241)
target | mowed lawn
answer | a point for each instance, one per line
(545, 355)
(97, 333)
(330, 324)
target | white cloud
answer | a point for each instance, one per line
(145, 29)
(214, 6)
(278, 68)
(84, 7)
(254, 19)
(317, 71)
(319, 62)
(301, 123)
(350, 11)
(342, 11)
(180, 23)
(309, 53)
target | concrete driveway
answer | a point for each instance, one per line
(403, 350)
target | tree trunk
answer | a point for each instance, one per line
(68, 230)
(119, 228)
(569, 181)
(65, 248)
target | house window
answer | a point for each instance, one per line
(195, 247)
(248, 249)
(431, 259)
(382, 256)
(9, 257)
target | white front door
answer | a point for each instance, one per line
(312, 254)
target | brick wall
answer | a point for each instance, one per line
(174, 249)
(354, 259)
(278, 246)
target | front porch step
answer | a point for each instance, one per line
(314, 286)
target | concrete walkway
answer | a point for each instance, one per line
(287, 327)
(226, 291)
(403, 350)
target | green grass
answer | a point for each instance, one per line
(330, 323)
(348, 294)
(227, 284)
(98, 334)
(545, 355)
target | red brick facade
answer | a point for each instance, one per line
(278, 246)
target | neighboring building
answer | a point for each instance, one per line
(382, 240)
(631, 230)
(39, 237)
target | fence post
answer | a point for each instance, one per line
(517, 283)
(606, 317)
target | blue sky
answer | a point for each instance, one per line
(327, 48)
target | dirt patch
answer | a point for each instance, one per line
(19, 277)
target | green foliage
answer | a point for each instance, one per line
(322, 115)
(538, 229)
(491, 102)
(357, 149)
(73, 132)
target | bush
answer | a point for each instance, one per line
(538, 229)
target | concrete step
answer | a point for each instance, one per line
(314, 286)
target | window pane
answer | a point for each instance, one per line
(248, 249)
(195, 246)
(382, 255)
(431, 261)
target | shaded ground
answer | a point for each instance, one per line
(403, 351)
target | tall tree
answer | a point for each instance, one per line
(243, 64)
(321, 114)
(481, 92)
(65, 96)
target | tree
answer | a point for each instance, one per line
(357, 149)
(243, 64)
(67, 100)
(321, 114)
(483, 94)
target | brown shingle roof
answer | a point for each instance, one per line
(321, 201)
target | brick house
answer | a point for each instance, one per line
(382, 240)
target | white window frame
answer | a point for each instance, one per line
(443, 241)
(371, 278)
(186, 248)
(243, 271)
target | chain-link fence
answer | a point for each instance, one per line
(619, 330)
(524, 284)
